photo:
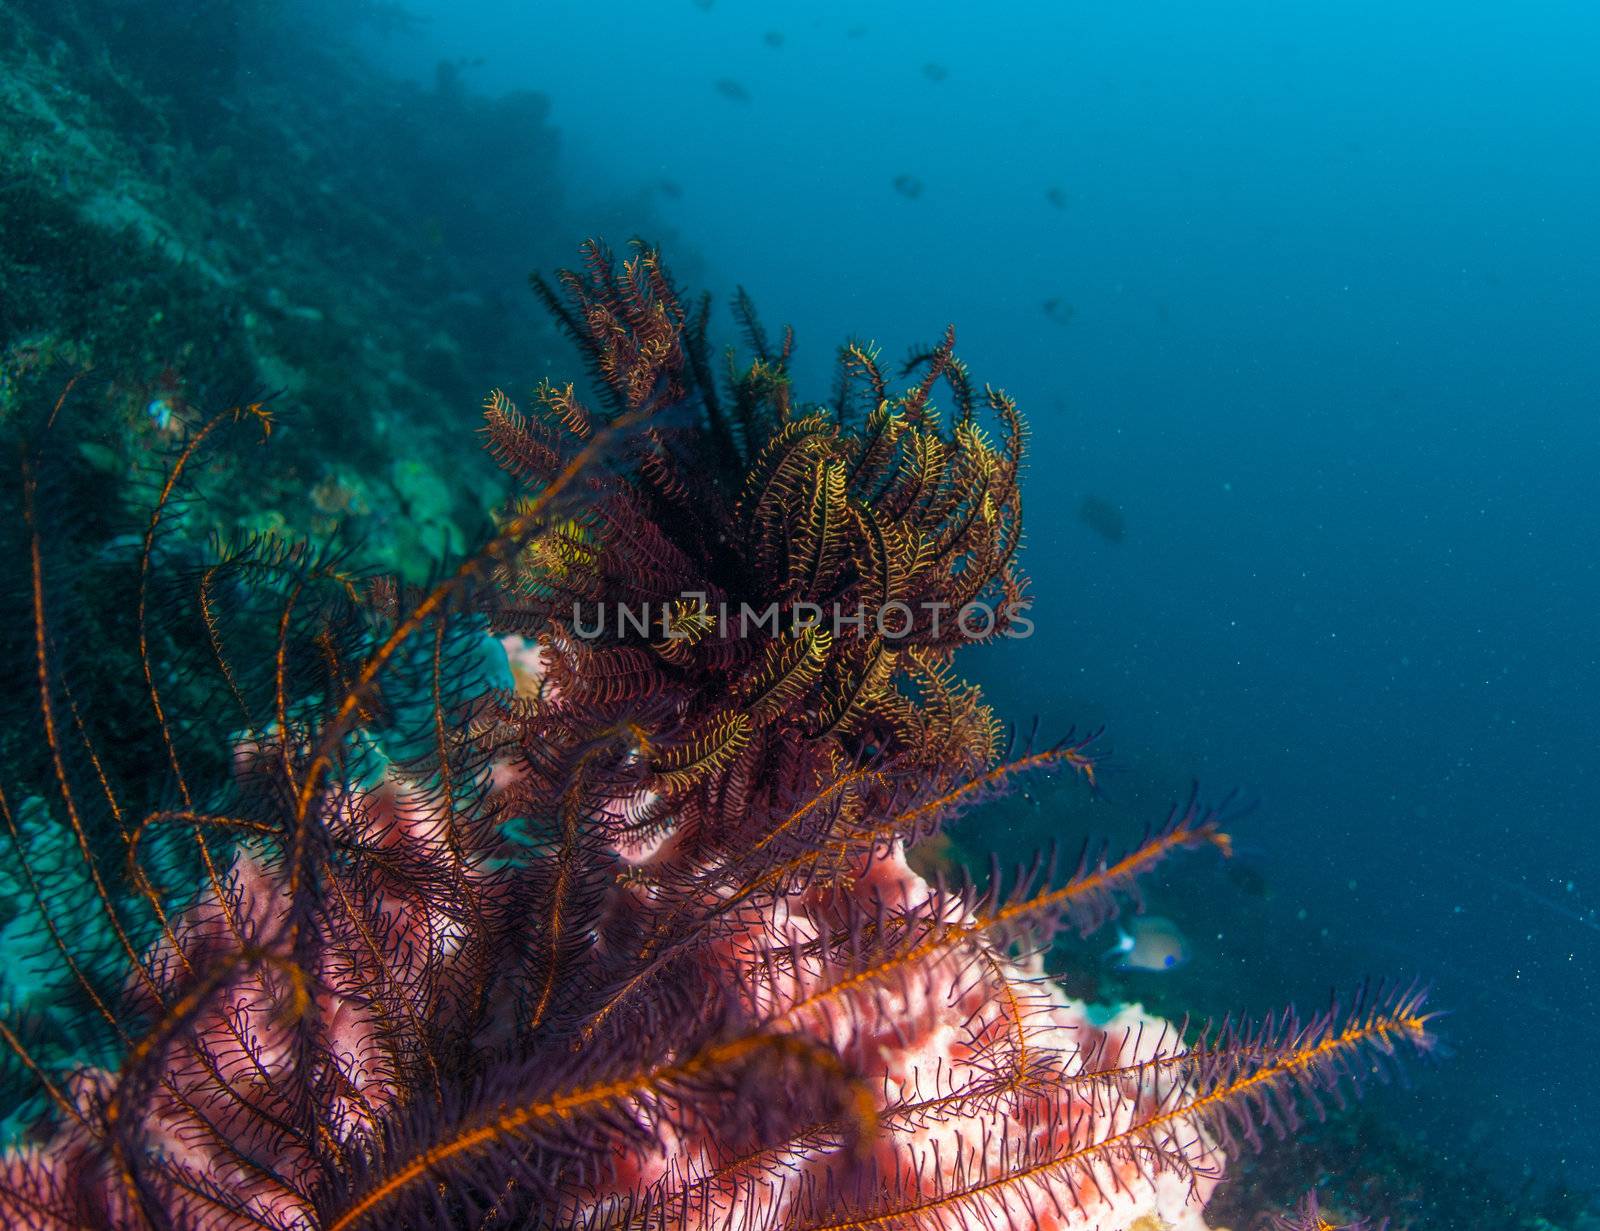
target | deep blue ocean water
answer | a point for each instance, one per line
(1308, 293)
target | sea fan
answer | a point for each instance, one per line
(501, 923)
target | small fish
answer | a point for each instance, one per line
(1059, 311)
(669, 188)
(935, 72)
(704, 5)
(731, 89)
(1057, 197)
(1104, 518)
(908, 186)
(1149, 942)
(773, 38)
(164, 406)
(1247, 878)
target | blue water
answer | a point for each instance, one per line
(1325, 288)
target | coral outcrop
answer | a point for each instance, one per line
(508, 923)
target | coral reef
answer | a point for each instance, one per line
(175, 207)
(504, 922)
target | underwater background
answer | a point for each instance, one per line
(1300, 302)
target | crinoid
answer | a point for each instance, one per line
(507, 919)
(1309, 1216)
